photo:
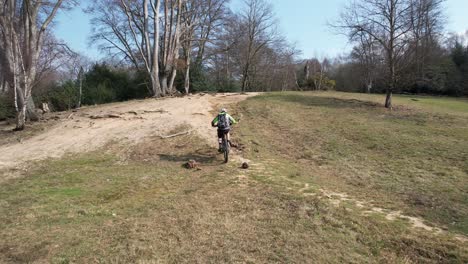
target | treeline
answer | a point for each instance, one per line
(399, 47)
(150, 47)
(154, 48)
(445, 71)
(193, 45)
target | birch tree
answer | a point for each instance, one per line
(170, 44)
(132, 28)
(23, 25)
(190, 20)
(145, 32)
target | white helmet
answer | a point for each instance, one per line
(223, 110)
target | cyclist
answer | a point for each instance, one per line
(223, 121)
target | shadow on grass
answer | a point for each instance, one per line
(329, 102)
(205, 157)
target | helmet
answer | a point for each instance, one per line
(223, 110)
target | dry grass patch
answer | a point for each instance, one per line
(137, 204)
(404, 159)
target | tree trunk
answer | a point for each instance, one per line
(321, 79)
(171, 81)
(245, 77)
(21, 106)
(315, 83)
(295, 80)
(388, 99)
(187, 80)
(81, 94)
(244, 83)
(31, 113)
(21, 118)
(80, 77)
(164, 88)
(3, 85)
(369, 87)
(155, 85)
(391, 56)
(307, 71)
(187, 70)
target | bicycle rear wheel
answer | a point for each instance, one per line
(226, 149)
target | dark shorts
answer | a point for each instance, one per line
(221, 132)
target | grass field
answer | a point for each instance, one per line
(408, 159)
(130, 204)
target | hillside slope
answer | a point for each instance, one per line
(333, 178)
(125, 123)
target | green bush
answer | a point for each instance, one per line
(65, 96)
(60, 97)
(7, 108)
(104, 85)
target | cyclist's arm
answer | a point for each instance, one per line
(233, 121)
(215, 120)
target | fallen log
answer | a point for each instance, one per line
(105, 116)
(161, 111)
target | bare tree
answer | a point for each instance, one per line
(130, 30)
(145, 39)
(201, 20)
(315, 68)
(426, 20)
(23, 26)
(367, 53)
(146, 33)
(386, 21)
(223, 56)
(190, 18)
(170, 45)
(212, 18)
(259, 24)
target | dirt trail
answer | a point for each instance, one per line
(128, 122)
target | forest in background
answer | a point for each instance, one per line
(156, 48)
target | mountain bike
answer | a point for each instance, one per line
(225, 148)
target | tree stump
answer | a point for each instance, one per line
(45, 107)
(191, 164)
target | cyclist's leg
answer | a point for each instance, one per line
(220, 139)
(228, 136)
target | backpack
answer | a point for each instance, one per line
(223, 122)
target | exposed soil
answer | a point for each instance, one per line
(128, 122)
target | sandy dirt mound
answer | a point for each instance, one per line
(127, 122)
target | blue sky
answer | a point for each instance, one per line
(303, 22)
